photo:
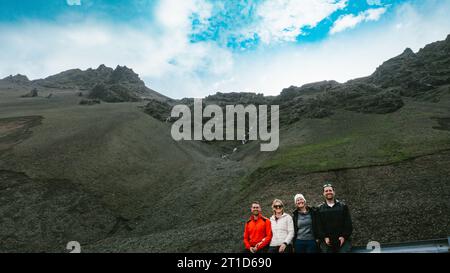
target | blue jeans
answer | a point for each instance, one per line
(305, 246)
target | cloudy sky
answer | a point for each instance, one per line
(192, 48)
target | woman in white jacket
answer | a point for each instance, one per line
(282, 229)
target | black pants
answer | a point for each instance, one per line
(345, 248)
(275, 249)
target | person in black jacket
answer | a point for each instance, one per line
(304, 226)
(334, 224)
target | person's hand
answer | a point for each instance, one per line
(327, 241)
(282, 248)
(342, 240)
(252, 249)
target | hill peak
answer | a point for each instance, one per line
(415, 71)
(103, 67)
(407, 52)
(18, 78)
(124, 74)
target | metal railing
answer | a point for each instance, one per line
(426, 246)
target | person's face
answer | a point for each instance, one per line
(278, 207)
(300, 203)
(328, 193)
(256, 209)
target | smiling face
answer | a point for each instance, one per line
(256, 209)
(328, 193)
(277, 207)
(300, 202)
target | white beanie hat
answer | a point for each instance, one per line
(297, 196)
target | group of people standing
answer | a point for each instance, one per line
(326, 228)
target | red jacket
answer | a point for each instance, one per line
(259, 231)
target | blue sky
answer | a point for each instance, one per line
(198, 47)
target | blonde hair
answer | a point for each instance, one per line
(277, 201)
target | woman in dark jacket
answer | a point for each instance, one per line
(304, 226)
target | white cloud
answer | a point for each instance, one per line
(175, 14)
(374, 14)
(40, 49)
(350, 21)
(374, 2)
(282, 20)
(341, 57)
(74, 2)
(168, 63)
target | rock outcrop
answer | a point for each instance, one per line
(121, 84)
(33, 93)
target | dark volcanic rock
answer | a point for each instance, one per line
(77, 79)
(234, 98)
(89, 102)
(294, 91)
(112, 93)
(354, 96)
(121, 84)
(33, 93)
(381, 103)
(416, 73)
(410, 74)
(159, 110)
(123, 74)
(17, 79)
(444, 123)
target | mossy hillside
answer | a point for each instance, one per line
(352, 140)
